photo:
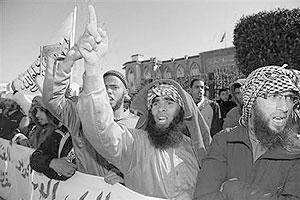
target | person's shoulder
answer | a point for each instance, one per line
(137, 132)
(57, 134)
(214, 105)
(212, 102)
(229, 133)
(233, 110)
(133, 116)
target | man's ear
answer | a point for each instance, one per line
(126, 95)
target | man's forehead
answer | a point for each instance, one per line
(237, 90)
(199, 83)
(289, 92)
(40, 109)
(163, 98)
(112, 80)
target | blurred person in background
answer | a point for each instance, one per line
(233, 116)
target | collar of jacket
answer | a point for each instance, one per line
(122, 115)
(239, 134)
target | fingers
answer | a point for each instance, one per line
(68, 164)
(67, 170)
(88, 44)
(92, 16)
(92, 26)
(112, 178)
(102, 32)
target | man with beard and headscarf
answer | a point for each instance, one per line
(57, 79)
(259, 159)
(160, 158)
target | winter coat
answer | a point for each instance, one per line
(274, 175)
(165, 173)
(48, 150)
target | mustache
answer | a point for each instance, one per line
(163, 138)
(269, 138)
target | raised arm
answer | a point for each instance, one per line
(114, 142)
(56, 82)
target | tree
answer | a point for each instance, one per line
(268, 38)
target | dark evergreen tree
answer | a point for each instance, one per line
(268, 38)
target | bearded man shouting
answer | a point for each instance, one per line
(260, 158)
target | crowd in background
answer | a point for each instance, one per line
(30, 129)
(243, 145)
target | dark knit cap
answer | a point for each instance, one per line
(118, 75)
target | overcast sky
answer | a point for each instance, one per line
(154, 28)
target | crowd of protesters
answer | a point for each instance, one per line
(181, 145)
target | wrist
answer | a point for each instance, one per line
(92, 69)
(73, 54)
(68, 61)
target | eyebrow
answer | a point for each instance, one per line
(111, 84)
(167, 98)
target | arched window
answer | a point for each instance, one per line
(167, 73)
(131, 79)
(194, 70)
(180, 71)
(147, 73)
(158, 74)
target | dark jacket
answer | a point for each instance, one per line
(277, 171)
(225, 106)
(48, 150)
(216, 123)
(10, 119)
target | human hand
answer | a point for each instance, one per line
(235, 189)
(73, 54)
(62, 166)
(112, 178)
(24, 142)
(93, 44)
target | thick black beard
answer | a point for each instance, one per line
(164, 138)
(267, 137)
(292, 143)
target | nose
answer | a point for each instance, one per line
(283, 105)
(108, 90)
(37, 114)
(161, 107)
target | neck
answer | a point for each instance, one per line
(202, 100)
(118, 112)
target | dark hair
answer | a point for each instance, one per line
(222, 90)
(235, 86)
(194, 80)
(49, 115)
(117, 74)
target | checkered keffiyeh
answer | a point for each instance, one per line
(266, 80)
(163, 90)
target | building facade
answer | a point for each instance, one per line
(217, 68)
